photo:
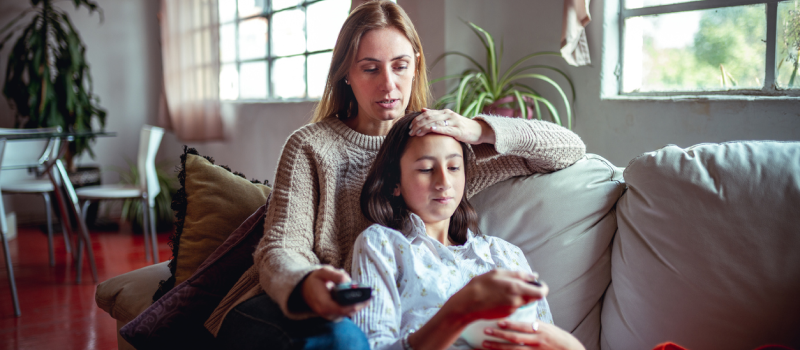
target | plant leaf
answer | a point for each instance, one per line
(558, 88)
(522, 60)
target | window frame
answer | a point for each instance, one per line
(768, 90)
(270, 58)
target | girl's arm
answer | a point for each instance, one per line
(381, 319)
(494, 294)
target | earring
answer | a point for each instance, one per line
(346, 81)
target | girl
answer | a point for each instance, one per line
(431, 274)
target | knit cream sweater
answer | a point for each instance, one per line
(314, 216)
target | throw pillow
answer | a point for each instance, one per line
(176, 320)
(211, 203)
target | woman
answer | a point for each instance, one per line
(377, 73)
(431, 274)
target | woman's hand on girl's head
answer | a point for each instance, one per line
(447, 122)
(523, 336)
(496, 294)
(317, 293)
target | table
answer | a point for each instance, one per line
(53, 167)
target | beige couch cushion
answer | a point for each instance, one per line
(708, 249)
(125, 296)
(564, 222)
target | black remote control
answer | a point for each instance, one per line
(535, 282)
(351, 293)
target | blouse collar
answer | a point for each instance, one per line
(417, 231)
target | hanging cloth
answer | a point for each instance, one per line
(574, 46)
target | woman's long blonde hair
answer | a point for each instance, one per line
(338, 99)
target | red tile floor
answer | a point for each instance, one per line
(57, 313)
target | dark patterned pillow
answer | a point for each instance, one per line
(176, 318)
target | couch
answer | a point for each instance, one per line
(697, 246)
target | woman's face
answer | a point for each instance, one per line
(432, 177)
(382, 74)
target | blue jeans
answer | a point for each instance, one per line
(259, 323)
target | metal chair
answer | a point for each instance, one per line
(147, 190)
(26, 155)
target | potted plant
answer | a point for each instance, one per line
(484, 90)
(47, 79)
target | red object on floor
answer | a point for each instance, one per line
(673, 346)
(57, 313)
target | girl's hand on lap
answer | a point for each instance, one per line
(447, 122)
(317, 293)
(523, 336)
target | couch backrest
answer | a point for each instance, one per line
(708, 249)
(564, 222)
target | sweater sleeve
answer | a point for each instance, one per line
(285, 255)
(522, 147)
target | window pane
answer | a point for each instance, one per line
(227, 10)
(709, 50)
(227, 42)
(635, 4)
(253, 38)
(788, 45)
(325, 19)
(288, 36)
(318, 66)
(228, 82)
(249, 8)
(288, 77)
(253, 82)
(282, 4)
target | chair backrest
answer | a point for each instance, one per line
(149, 140)
(24, 154)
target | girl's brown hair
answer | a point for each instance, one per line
(380, 205)
(338, 99)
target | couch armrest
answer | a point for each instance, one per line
(125, 296)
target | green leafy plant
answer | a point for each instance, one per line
(484, 90)
(132, 208)
(47, 78)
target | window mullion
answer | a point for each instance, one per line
(270, 61)
(621, 61)
(772, 33)
(690, 6)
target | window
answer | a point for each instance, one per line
(277, 50)
(709, 47)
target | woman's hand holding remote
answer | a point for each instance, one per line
(317, 293)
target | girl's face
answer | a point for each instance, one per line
(432, 177)
(382, 74)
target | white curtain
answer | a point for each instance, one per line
(190, 56)
(574, 47)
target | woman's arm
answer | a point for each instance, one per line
(505, 147)
(284, 255)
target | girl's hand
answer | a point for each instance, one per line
(523, 336)
(317, 293)
(447, 122)
(495, 294)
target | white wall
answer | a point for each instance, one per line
(617, 130)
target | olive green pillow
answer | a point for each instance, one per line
(211, 203)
